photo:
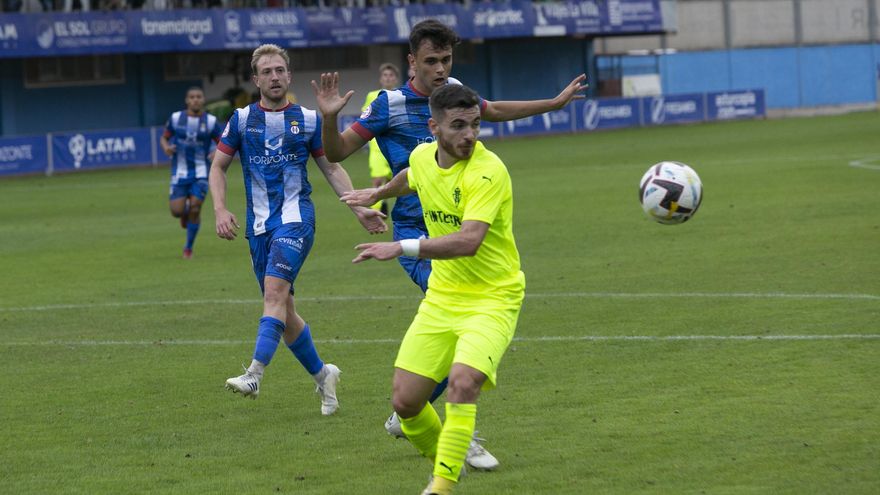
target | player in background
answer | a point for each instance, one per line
(398, 120)
(274, 139)
(380, 171)
(468, 316)
(189, 139)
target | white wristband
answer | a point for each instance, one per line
(410, 247)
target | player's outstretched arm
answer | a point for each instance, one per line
(500, 111)
(227, 225)
(337, 146)
(465, 242)
(398, 186)
(337, 177)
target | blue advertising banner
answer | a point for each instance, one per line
(138, 31)
(175, 31)
(606, 113)
(550, 122)
(673, 109)
(404, 18)
(597, 17)
(491, 129)
(736, 105)
(251, 28)
(24, 155)
(89, 150)
(502, 20)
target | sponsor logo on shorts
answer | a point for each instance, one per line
(295, 243)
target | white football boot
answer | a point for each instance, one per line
(478, 457)
(248, 385)
(392, 426)
(327, 390)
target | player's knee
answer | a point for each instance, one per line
(275, 296)
(463, 388)
(405, 407)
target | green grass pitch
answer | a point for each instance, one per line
(737, 353)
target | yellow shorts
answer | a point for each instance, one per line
(378, 164)
(470, 331)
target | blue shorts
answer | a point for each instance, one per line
(281, 252)
(418, 269)
(189, 187)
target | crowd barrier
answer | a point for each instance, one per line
(89, 150)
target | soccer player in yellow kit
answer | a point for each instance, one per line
(475, 291)
(380, 171)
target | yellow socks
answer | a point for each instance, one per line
(455, 438)
(422, 430)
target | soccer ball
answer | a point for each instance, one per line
(670, 192)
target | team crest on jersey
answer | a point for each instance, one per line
(366, 112)
(456, 196)
(226, 130)
(294, 127)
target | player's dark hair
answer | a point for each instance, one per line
(452, 96)
(195, 88)
(440, 35)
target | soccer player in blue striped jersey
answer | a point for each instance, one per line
(190, 138)
(274, 139)
(398, 120)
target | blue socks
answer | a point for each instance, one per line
(304, 350)
(268, 336)
(191, 230)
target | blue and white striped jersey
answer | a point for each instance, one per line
(274, 148)
(398, 119)
(195, 137)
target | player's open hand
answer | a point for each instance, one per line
(360, 197)
(227, 225)
(372, 220)
(170, 150)
(327, 93)
(574, 91)
(377, 250)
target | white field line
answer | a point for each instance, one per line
(556, 295)
(869, 162)
(559, 338)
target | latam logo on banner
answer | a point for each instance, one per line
(74, 151)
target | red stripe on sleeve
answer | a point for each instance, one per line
(362, 131)
(225, 148)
